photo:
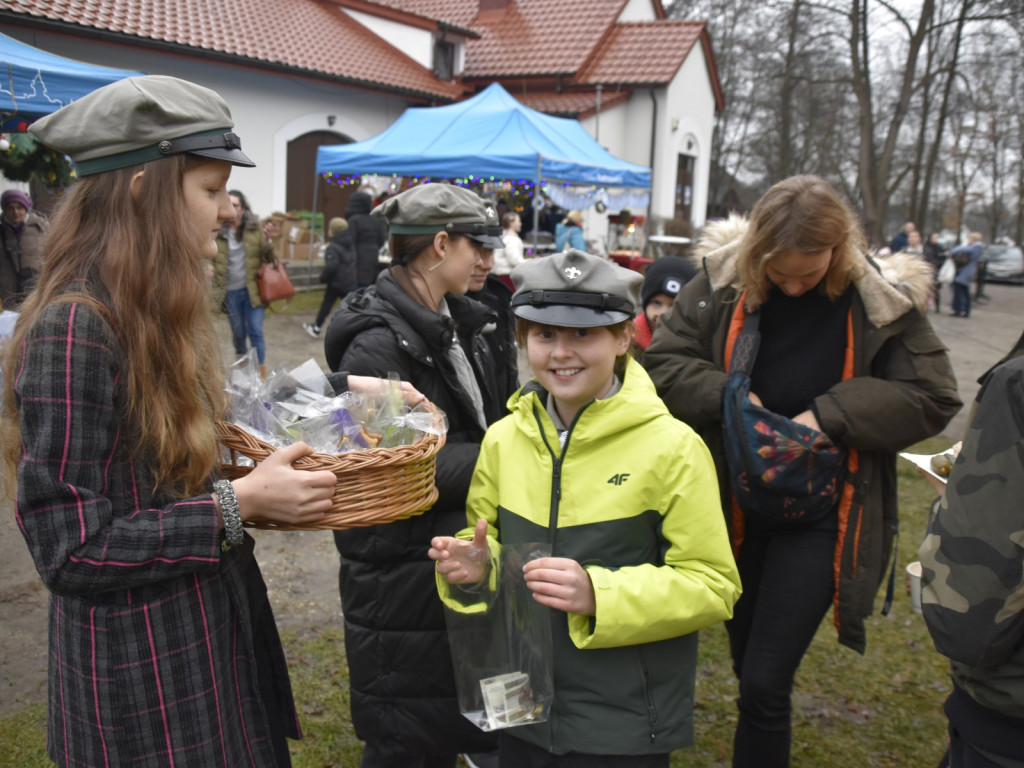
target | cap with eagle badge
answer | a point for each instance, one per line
(138, 120)
(439, 207)
(575, 289)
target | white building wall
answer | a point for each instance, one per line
(625, 131)
(416, 43)
(269, 110)
(615, 131)
(688, 104)
(638, 10)
(691, 101)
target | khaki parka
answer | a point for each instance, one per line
(258, 251)
(903, 390)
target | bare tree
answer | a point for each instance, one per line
(862, 92)
(878, 136)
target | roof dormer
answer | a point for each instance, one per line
(436, 45)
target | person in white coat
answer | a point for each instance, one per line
(508, 258)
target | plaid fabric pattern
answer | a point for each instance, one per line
(151, 632)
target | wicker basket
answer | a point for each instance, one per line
(374, 486)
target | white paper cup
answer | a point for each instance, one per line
(914, 585)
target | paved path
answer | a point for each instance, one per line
(302, 586)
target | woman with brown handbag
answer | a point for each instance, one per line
(242, 248)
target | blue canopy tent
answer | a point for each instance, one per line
(34, 83)
(491, 135)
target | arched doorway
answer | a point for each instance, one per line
(684, 188)
(301, 176)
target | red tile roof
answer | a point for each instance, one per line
(424, 14)
(576, 104)
(458, 13)
(643, 53)
(528, 38)
(578, 43)
(538, 37)
(304, 36)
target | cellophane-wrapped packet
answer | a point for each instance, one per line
(299, 404)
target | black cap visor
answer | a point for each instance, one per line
(565, 316)
(233, 156)
(216, 146)
(487, 241)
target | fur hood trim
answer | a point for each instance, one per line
(888, 289)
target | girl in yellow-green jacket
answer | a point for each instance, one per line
(591, 462)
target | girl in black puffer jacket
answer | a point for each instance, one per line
(416, 321)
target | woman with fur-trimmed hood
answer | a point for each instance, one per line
(846, 350)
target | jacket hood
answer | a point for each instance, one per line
(889, 289)
(635, 404)
(360, 202)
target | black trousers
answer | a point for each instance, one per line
(330, 296)
(787, 588)
(980, 737)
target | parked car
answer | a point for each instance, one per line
(1005, 264)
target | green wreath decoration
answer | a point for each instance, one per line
(27, 159)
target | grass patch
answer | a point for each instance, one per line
(23, 736)
(303, 301)
(850, 711)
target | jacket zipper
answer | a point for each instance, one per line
(556, 482)
(556, 497)
(556, 472)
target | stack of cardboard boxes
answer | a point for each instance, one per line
(289, 230)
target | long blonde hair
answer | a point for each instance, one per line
(802, 213)
(135, 258)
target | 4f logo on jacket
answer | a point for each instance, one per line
(618, 479)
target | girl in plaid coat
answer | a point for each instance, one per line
(163, 648)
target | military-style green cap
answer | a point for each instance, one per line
(575, 289)
(140, 119)
(440, 207)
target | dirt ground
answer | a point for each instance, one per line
(301, 567)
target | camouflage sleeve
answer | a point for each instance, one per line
(973, 555)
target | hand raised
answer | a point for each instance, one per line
(372, 385)
(461, 562)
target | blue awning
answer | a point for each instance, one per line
(34, 83)
(489, 135)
